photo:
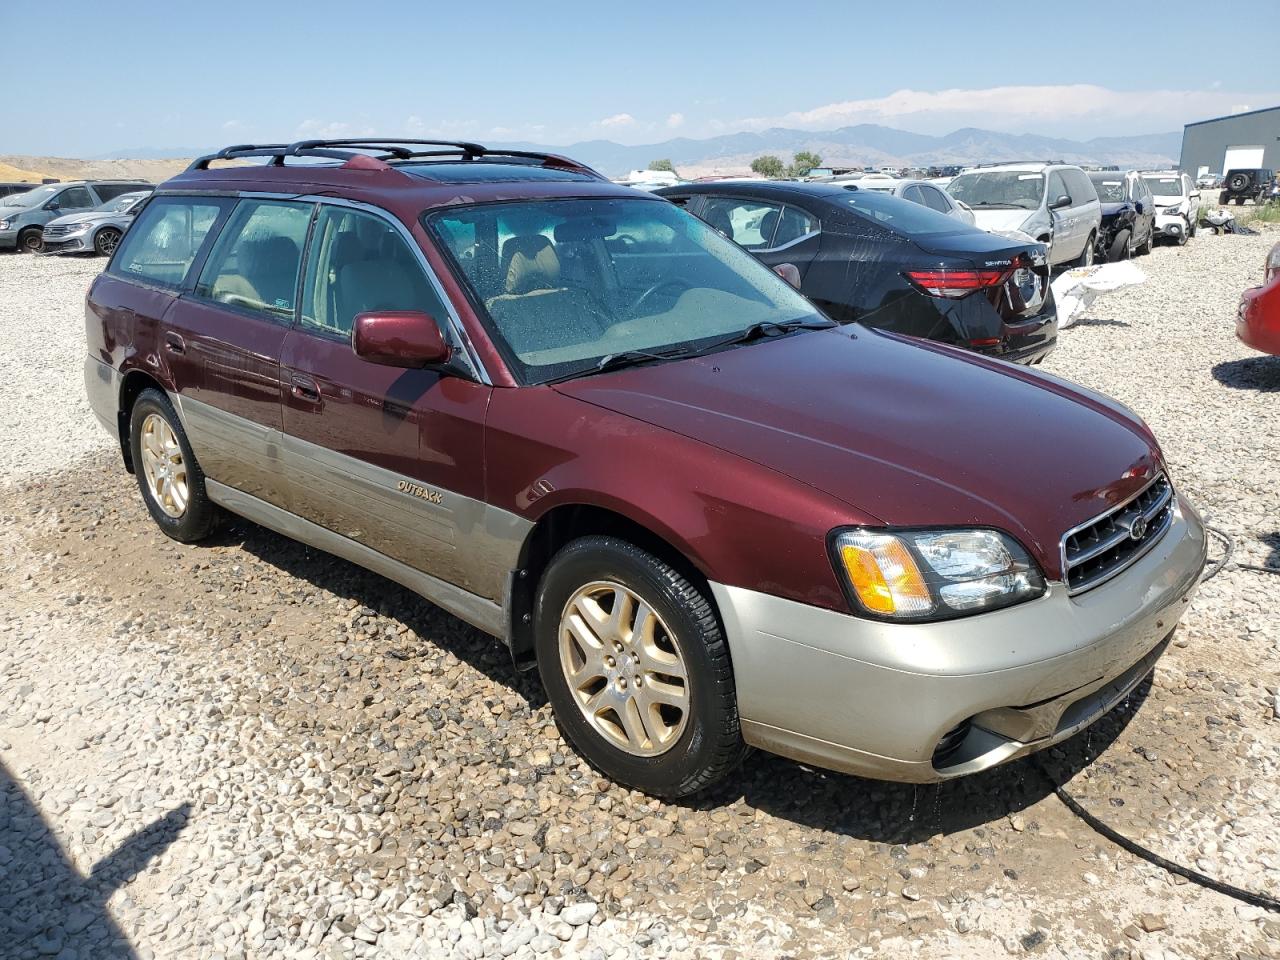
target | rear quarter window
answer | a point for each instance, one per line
(164, 241)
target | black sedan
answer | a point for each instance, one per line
(884, 262)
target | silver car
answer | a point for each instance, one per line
(97, 231)
(1054, 203)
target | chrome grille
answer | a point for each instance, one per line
(1094, 552)
(57, 229)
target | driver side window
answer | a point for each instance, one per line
(1057, 187)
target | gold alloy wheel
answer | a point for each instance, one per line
(624, 669)
(163, 466)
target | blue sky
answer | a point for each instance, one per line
(184, 74)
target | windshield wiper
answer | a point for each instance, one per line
(625, 358)
(770, 328)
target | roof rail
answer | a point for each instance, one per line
(382, 149)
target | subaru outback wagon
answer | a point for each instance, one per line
(580, 419)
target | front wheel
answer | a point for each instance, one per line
(636, 667)
(1121, 247)
(1086, 257)
(31, 240)
(106, 241)
(169, 477)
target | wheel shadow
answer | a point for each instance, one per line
(46, 905)
(1251, 373)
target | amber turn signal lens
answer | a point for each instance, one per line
(884, 575)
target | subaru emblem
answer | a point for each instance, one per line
(1138, 528)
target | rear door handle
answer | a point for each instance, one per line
(304, 388)
(174, 343)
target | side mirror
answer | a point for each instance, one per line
(399, 338)
(53, 206)
(789, 272)
(1062, 201)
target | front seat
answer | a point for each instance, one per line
(536, 311)
(768, 223)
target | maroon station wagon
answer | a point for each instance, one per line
(578, 418)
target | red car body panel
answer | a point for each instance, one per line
(903, 435)
(1258, 319)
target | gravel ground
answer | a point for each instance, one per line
(251, 749)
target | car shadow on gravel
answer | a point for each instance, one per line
(1252, 373)
(46, 905)
(385, 598)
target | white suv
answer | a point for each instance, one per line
(1054, 203)
(1177, 201)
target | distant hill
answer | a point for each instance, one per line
(866, 144)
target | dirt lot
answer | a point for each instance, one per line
(249, 748)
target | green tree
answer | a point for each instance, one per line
(767, 166)
(666, 165)
(804, 162)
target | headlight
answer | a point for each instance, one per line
(934, 574)
(77, 227)
(6, 224)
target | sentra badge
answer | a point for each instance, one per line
(422, 493)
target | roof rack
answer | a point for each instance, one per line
(1006, 163)
(380, 151)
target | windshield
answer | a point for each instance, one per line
(1109, 190)
(32, 198)
(121, 203)
(1165, 186)
(1010, 189)
(912, 219)
(566, 283)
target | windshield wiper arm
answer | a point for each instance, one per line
(772, 328)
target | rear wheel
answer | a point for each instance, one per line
(31, 240)
(106, 241)
(169, 477)
(636, 667)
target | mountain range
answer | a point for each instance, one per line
(865, 144)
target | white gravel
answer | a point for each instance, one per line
(248, 749)
(46, 422)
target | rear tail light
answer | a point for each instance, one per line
(954, 284)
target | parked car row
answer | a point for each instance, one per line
(23, 216)
(584, 421)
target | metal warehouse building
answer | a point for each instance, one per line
(1244, 140)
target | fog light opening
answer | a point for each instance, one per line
(950, 742)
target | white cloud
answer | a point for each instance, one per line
(332, 129)
(618, 120)
(1021, 108)
(231, 125)
(675, 120)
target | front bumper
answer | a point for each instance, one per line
(8, 239)
(1174, 226)
(877, 699)
(1258, 318)
(72, 244)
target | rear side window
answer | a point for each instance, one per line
(794, 225)
(934, 199)
(109, 191)
(360, 263)
(161, 246)
(254, 265)
(748, 223)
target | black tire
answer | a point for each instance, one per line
(104, 243)
(200, 515)
(1193, 225)
(710, 745)
(1086, 257)
(31, 240)
(1240, 182)
(1121, 247)
(1145, 247)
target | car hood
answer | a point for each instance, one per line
(1000, 219)
(905, 432)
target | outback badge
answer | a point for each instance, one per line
(421, 492)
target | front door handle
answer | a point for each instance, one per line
(174, 343)
(304, 388)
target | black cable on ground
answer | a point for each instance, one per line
(1246, 896)
(1229, 547)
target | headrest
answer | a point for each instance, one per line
(530, 263)
(767, 224)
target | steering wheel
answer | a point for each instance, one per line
(660, 285)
